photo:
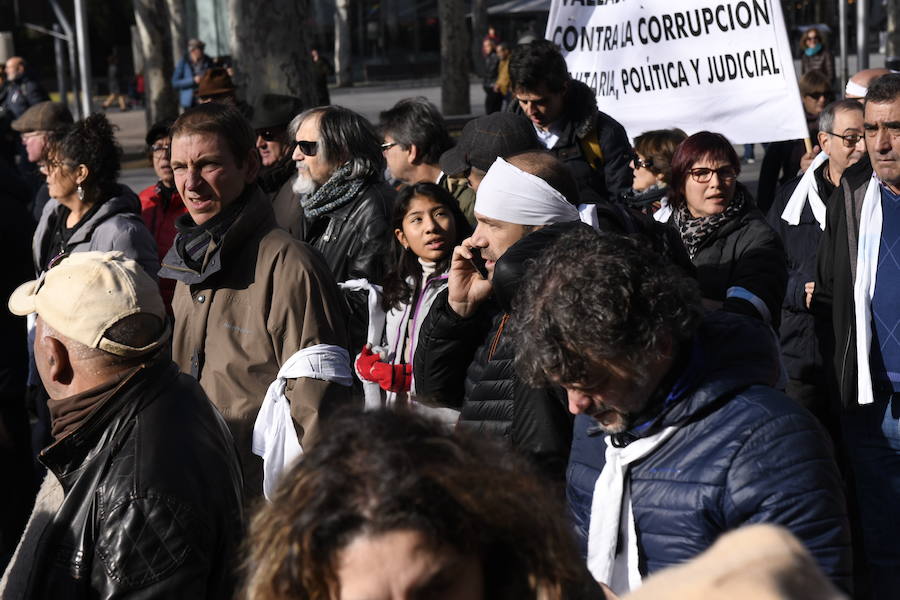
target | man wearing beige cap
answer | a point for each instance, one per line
(143, 493)
(34, 126)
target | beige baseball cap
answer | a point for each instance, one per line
(89, 292)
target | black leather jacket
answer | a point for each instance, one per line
(152, 504)
(354, 240)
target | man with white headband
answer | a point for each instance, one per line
(858, 84)
(463, 358)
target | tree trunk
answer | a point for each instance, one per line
(892, 44)
(454, 58)
(156, 46)
(342, 43)
(479, 30)
(176, 10)
(268, 56)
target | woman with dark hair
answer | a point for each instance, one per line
(651, 164)
(392, 505)
(740, 261)
(427, 225)
(815, 55)
(88, 210)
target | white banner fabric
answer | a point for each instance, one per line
(722, 66)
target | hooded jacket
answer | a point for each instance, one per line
(116, 225)
(152, 500)
(744, 453)
(262, 297)
(603, 177)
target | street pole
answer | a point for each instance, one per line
(842, 33)
(60, 64)
(862, 35)
(84, 57)
(73, 67)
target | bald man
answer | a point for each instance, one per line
(24, 92)
(860, 82)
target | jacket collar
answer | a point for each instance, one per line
(124, 202)
(272, 178)
(256, 219)
(66, 456)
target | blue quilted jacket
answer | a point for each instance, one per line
(744, 453)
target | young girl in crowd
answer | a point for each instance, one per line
(427, 225)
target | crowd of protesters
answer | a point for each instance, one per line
(326, 358)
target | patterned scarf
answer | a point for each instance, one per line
(339, 190)
(696, 230)
(196, 243)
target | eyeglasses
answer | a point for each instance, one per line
(388, 145)
(812, 38)
(269, 135)
(819, 95)
(849, 140)
(308, 148)
(159, 149)
(704, 175)
(641, 163)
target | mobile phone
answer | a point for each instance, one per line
(478, 262)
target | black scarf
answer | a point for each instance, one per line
(272, 178)
(195, 244)
(696, 230)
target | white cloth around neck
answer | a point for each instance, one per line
(509, 194)
(607, 513)
(869, 244)
(807, 190)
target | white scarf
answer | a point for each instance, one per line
(274, 436)
(664, 212)
(606, 512)
(377, 316)
(806, 191)
(870, 222)
(509, 194)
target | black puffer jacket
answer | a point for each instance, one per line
(799, 345)
(354, 239)
(152, 504)
(603, 178)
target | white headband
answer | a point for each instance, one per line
(509, 194)
(854, 89)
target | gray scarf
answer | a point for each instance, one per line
(339, 190)
(696, 230)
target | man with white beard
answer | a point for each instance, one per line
(346, 204)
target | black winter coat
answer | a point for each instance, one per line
(833, 302)
(152, 504)
(742, 265)
(799, 345)
(354, 239)
(608, 177)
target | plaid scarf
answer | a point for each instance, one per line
(339, 190)
(196, 243)
(696, 230)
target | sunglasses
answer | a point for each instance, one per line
(270, 135)
(819, 95)
(813, 38)
(308, 148)
(641, 163)
(388, 145)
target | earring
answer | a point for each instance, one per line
(80, 192)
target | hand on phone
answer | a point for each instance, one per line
(468, 285)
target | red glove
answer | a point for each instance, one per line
(365, 361)
(392, 378)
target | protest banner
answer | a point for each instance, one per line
(724, 66)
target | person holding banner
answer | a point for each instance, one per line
(858, 274)
(740, 261)
(798, 216)
(564, 114)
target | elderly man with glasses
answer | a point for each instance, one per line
(346, 204)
